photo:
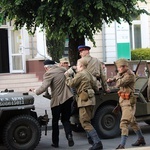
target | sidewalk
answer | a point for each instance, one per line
(41, 104)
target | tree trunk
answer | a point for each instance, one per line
(73, 49)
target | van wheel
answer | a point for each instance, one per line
(106, 123)
(22, 133)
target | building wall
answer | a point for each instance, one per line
(33, 47)
(148, 9)
(110, 42)
(96, 51)
(106, 48)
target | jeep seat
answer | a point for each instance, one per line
(140, 87)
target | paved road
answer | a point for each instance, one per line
(80, 138)
(82, 144)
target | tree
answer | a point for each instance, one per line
(75, 18)
(55, 48)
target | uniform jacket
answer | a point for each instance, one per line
(125, 82)
(95, 68)
(55, 79)
(83, 81)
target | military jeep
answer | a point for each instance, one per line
(20, 127)
(105, 121)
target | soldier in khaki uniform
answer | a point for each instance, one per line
(94, 66)
(85, 82)
(64, 62)
(125, 80)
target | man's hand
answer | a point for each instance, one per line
(108, 90)
(109, 80)
(69, 72)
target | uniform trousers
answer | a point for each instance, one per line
(85, 116)
(127, 119)
(63, 112)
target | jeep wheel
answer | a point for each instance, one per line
(77, 127)
(106, 123)
(22, 133)
(147, 122)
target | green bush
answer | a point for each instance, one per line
(140, 54)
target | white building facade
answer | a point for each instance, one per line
(115, 41)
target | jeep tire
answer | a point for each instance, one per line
(22, 132)
(106, 123)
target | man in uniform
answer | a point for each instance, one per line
(85, 84)
(60, 102)
(125, 80)
(64, 62)
(94, 66)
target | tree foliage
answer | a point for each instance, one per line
(55, 48)
(75, 18)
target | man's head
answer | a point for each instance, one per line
(83, 50)
(81, 64)
(64, 62)
(122, 65)
(48, 64)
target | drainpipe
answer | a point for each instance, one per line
(104, 42)
(32, 47)
(116, 39)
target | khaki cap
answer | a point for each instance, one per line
(83, 61)
(64, 59)
(122, 62)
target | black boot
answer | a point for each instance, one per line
(96, 140)
(70, 140)
(55, 145)
(120, 147)
(97, 146)
(90, 141)
(140, 141)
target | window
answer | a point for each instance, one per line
(135, 33)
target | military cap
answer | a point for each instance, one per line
(121, 62)
(83, 47)
(83, 61)
(49, 62)
(64, 59)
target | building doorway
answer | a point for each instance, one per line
(4, 54)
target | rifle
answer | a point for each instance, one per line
(43, 120)
(116, 109)
(147, 70)
(46, 119)
(135, 71)
(116, 67)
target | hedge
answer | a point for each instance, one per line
(140, 53)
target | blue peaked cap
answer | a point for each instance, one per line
(83, 47)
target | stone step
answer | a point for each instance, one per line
(19, 82)
(16, 76)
